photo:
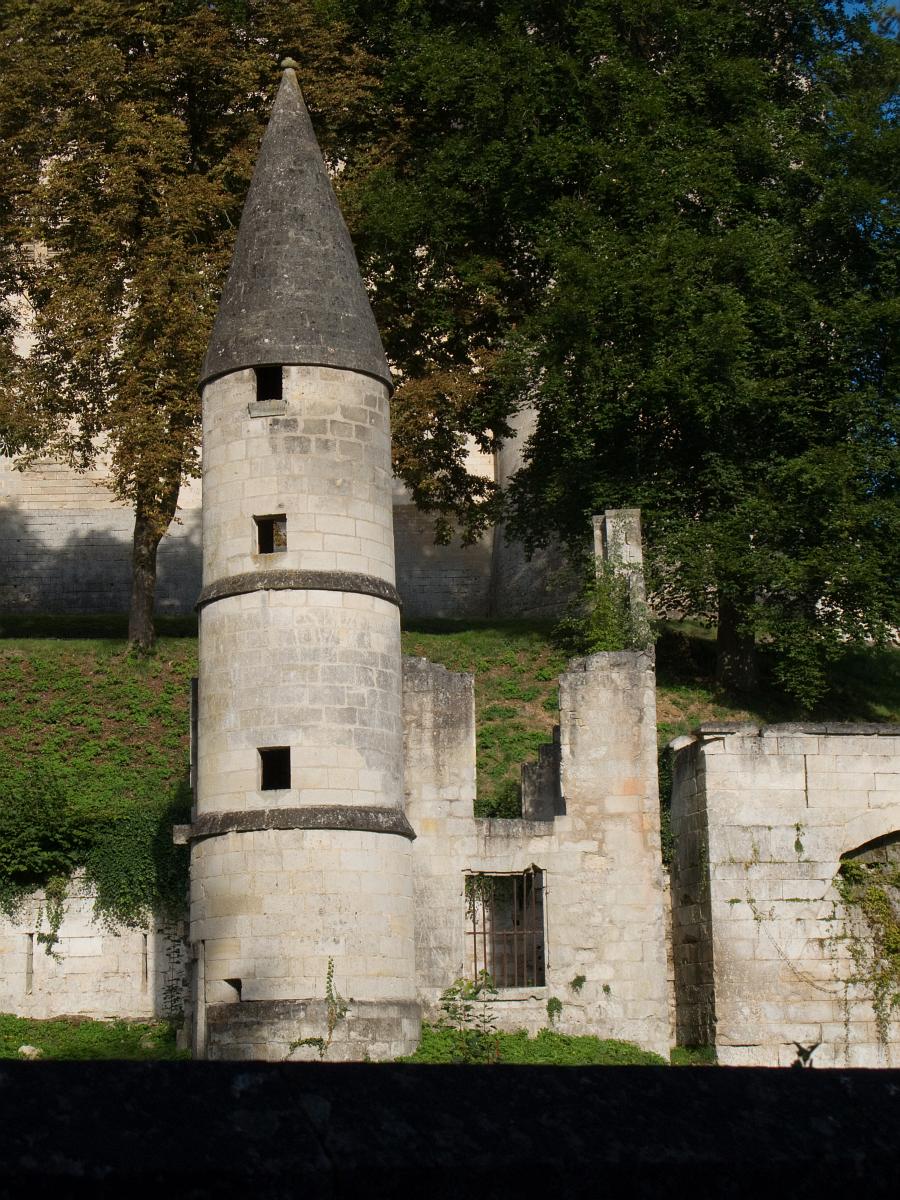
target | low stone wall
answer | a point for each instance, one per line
(766, 955)
(604, 913)
(88, 970)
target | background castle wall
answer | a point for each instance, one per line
(781, 805)
(604, 900)
(67, 544)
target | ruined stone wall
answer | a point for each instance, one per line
(604, 895)
(782, 804)
(89, 971)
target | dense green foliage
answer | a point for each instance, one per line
(82, 1039)
(669, 225)
(672, 227)
(547, 1048)
(131, 132)
(93, 771)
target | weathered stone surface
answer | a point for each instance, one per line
(605, 900)
(367, 820)
(92, 970)
(294, 292)
(764, 958)
(283, 581)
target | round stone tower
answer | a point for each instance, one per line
(301, 884)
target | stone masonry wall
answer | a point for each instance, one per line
(763, 958)
(604, 899)
(90, 971)
(66, 544)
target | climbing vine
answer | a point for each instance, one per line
(336, 1008)
(127, 854)
(870, 891)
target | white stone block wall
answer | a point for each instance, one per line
(604, 901)
(318, 672)
(781, 805)
(66, 544)
(273, 906)
(89, 971)
(323, 461)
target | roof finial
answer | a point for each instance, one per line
(288, 64)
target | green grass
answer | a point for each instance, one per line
(693, 1056)
(113, 728)
(547, 1048)
(77, 1038)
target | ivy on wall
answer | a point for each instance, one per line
(127, 854)
(870, 891)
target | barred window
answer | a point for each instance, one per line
(505, 927)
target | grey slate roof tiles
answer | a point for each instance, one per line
(293, 294)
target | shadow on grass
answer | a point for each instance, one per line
(864, 682)
(88, 625)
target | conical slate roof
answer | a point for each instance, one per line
(294, 293)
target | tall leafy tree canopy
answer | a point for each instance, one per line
(668, 225)
(132, 129)
(671, 226)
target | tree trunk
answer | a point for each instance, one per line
(737, 661)
(141, 632)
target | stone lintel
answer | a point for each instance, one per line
(338, 816)
(794, 728)
(311, 581)
(250, 1011)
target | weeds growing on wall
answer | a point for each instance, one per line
(602, 616)
(870, 891)
(546, 1048)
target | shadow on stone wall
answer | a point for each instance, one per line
(68, 561)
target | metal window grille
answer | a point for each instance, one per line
(505, 927)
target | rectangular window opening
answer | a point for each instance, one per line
(269, 384)
(505, 927)
(271, 534)
(29, 963)
(275, 768)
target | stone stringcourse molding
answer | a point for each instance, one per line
(312, 581)
(338, 816)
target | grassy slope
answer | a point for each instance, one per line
(114, 728)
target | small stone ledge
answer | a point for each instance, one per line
(612, 658)
(512, 827)
(795, 728)
(311, 581)
(361, 820)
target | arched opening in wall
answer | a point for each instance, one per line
(505, 927)
(868, 882)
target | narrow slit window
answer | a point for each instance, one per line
(505, 925)
(269, 384)
(271, 534)
(275, 768)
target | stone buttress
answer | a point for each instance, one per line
(301, 882)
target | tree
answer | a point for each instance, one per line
(671, 226)
(133, 129)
